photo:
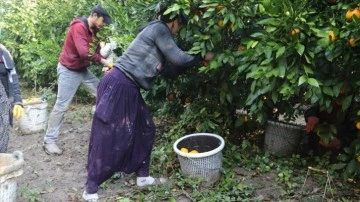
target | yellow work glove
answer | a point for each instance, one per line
(18, 112)
(110, 66)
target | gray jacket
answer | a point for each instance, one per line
(9, 77)
(147, 54)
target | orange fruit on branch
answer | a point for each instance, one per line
(351, 12)
(219, 7)
(241, 48)
(221, 23)
(295, 31)
(187, 100)
(358, 125)
(246, 119)
(171, 97)
(331, 36)
(318, 133)
(205, 63)
(352, 41)
(342, 90)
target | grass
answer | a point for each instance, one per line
(31, 195)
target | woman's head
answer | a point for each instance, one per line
(173, 20)
(175, 26)
(171, 16)
(165, 12)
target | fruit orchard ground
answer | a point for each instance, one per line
(62, 178)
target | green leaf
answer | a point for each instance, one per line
(229, 97)
(271, 29)
(182, 33)
(211, 125)
(280, 52)
(351, 167)
(239, 122)
(343, 157)
(274, 97)
(302, 80)
(266, 61)
(308, 70)
(336, 89)
(348, 150)
(250, 99)
(207, 14)
(282, 67)
(257, 34)
(232, 17)
(273, 72)
(313, 82)
(254, 44)
(242, 68)
(222, 97)
(174, 7)
(300, 48)
(241, 186)
(308, 60)
(333, 129)
(270, 21)
(214, 64)
(209, 45)
(328, 91)
(226, 19)
(268, 52)
(339, 166)
(259, 92)
(286, 90)
(346, 103)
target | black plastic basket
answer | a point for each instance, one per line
(281, 138)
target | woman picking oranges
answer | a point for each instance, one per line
(123, 131)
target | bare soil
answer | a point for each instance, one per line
(54, 178)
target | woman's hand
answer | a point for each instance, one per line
(311, 123)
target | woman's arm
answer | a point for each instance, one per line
(173, 54)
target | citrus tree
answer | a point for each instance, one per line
(272, 58)
(34, 32)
